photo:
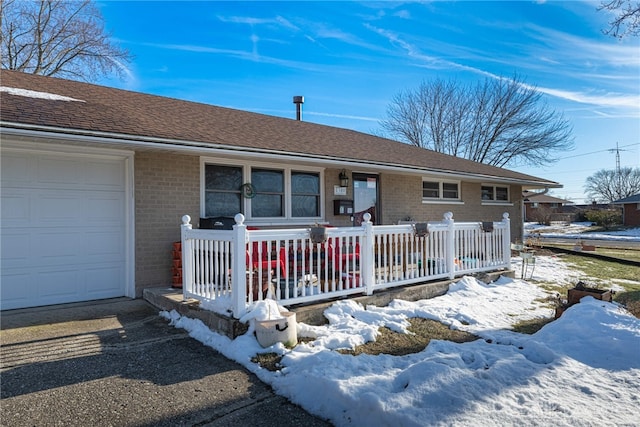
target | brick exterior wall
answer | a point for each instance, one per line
(330, 180)
(401, 197)
(167, 186)
(631, 214)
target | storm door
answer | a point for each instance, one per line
(365, 197)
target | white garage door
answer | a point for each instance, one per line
(63, 228)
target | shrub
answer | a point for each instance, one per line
(604, 218)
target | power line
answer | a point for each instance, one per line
(599, 151)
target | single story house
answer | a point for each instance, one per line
(95, 181)
(630, 210)
(540, 207)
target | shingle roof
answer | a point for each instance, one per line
(115, 113)
(530, 197)
(631, 199)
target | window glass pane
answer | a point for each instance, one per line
(267, 181)
(222, 190)
(502, 193)
(449, 190)
(305, 194)
(430, 189)
(222, 204)
(305, 183)
(305, 206)
(487, 193)
(228, 178)
(269, 199)
(267, 205)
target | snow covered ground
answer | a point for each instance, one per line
(580, 370)
(578, 230)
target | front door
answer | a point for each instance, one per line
(365, 197)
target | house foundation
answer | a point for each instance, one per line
(313, 314)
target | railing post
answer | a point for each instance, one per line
(238, 267)
(450, 249)
(506, 240)
(367, 254)
(187, 255)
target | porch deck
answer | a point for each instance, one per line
(300, 266)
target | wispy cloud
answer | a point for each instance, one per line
(614, 55)
(602, 100)
(343, 116)
(240, 54)
(585, 51)
(249, 20)
(308, 113)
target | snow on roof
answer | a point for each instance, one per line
(35, 94)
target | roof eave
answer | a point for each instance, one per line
(203, 148)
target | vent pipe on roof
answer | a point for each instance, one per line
(298, 100)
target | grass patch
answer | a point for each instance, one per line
(604, 271)
(621, 253)
(389, 342)
(398, 344)
(631, 300)
(269, 361)
(531, 326)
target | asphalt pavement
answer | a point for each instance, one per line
(118, 363)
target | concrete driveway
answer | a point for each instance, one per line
(117, 363)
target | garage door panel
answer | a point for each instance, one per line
(16, 289)
(16, 209)
(108, 245)
(62, 284)
(59, 246)
(59, 170)
(105, 175)
(105, 281)
(16, 250)
(58, 208)
(105, 208)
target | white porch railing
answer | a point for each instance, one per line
(248, 265)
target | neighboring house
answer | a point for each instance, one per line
(95, 181)
(630, 210)
(540, 207)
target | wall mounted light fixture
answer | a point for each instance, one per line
(344, 179)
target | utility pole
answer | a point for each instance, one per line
(617, 150)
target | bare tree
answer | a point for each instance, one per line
(626, 17)
(613, 184)
(58, 38)
(498, 122)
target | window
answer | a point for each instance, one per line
(279, 192)
(439, 190)
(494, 193)
(222, 195)
(305, 194)
(450, 191)
(269, 198)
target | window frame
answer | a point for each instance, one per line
(441, 191)
(494, 192)
(287, 170)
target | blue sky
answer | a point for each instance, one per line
(348, 59)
